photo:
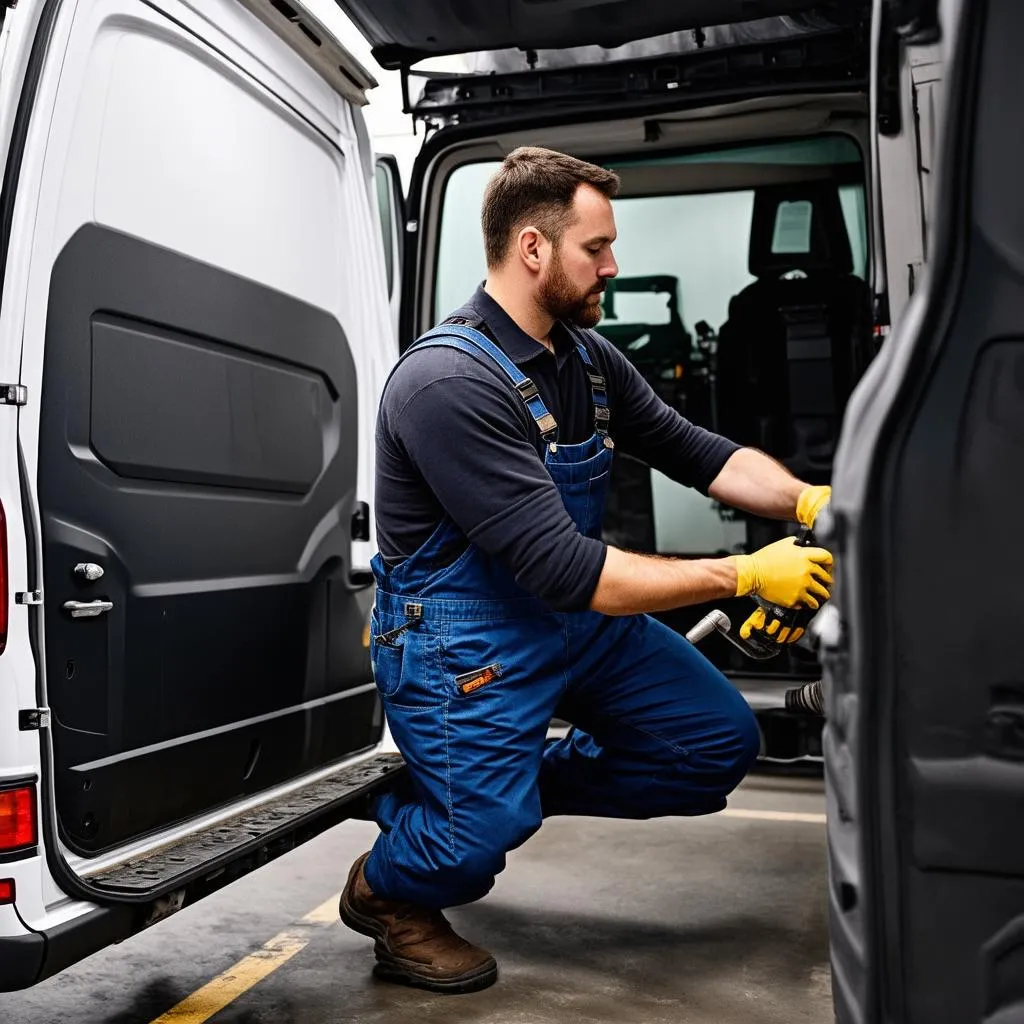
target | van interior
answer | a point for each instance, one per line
(743, 299)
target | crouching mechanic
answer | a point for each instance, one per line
(498, 606)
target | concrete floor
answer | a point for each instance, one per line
(706, 921)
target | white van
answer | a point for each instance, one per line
(196, 321)
(194, 331)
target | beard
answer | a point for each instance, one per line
(562, 300)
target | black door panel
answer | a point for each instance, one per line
(169, 408)
(198, 443)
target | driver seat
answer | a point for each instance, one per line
(787, 356)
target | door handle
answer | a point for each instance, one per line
(88, 609)
(359, 579)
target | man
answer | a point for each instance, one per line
(498, 606)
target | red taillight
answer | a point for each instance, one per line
(3, 579)
(6, 891)
(17, 818)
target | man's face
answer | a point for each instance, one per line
(580, 265)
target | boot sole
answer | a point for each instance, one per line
(399, 972)
(402, 972)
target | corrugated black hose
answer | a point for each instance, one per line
(807, 699)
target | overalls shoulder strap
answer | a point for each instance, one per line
(477, 344)
(598, 387)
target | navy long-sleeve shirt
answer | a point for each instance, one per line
(454, 437)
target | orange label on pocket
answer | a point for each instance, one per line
(472, 681)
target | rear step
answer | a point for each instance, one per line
(263, 833)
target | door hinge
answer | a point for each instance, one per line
(28, 597)
(13, 394)
(34, 719)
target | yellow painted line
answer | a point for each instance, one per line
(238, 979)
(326, 913)
(739, 812)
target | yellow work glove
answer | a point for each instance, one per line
(756, 621)
(811, 501)
(783, 573)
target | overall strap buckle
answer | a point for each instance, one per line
(548, 427)
(530, 394)
(527, 389)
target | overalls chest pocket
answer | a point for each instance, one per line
(584, 499)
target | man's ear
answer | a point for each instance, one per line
(529, 243)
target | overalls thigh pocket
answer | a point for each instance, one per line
(405, 661)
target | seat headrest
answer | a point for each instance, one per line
(799, 227)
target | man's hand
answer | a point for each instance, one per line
(783, 573)
(811, 501)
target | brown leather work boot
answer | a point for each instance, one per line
(414, 946)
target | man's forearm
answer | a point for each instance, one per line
(756, 483)
(632, 583)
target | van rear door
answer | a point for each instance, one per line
(924, 744)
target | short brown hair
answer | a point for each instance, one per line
(536, 186)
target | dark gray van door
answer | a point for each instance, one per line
(924, 678)
(197, 457)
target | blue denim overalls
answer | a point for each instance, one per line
(471, 669)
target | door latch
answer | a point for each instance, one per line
(87, 609)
